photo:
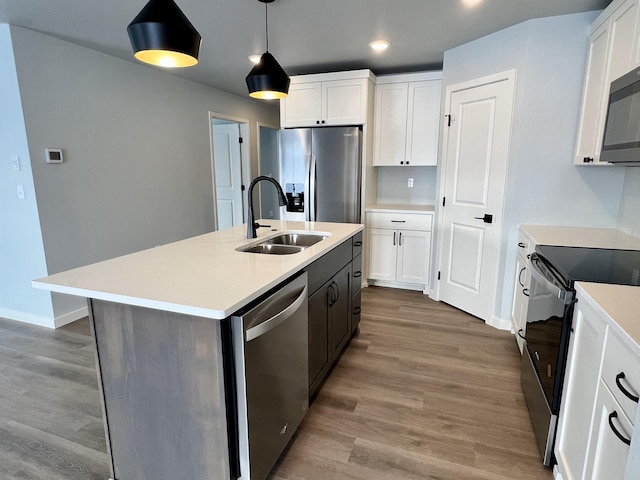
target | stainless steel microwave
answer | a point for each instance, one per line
(621, 143)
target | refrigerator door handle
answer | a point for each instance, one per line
(307, 189)
(313, 187)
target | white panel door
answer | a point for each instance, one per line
(476, 158)
(228, 175)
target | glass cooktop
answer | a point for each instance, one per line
(598, 265)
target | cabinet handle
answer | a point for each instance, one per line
(401, 162)
(521, 245)
(629, 395)
(333, 298)
(622, 438)
(520, 334)
(398, 221)
(400, 239)
(394, 239)
(317, 122)
(337, 292)
(357, 310)
(525, 292)
(520, 276)
(357, 274)
(357, 244)
(587, 159)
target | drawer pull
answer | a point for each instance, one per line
(525, 292)
(520, 276)
(357, 310)
(357, 244)
(622, 438)
(629, 395)
(521, 245)
(357, 274)
(398, 221)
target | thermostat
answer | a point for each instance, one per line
(53, 155)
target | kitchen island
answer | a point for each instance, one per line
(160, 319)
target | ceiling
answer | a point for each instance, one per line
(306, 36)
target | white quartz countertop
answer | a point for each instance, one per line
(619, 304)
(203, 275)
(399, 208)
(581, 237)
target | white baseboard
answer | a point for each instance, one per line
(404, 286)
(43, 320)
(499, 323)
(71, 316)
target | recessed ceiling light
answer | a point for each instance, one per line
(254, 58)
(471, 3)
(380, 45)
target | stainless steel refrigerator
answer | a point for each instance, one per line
(320, 172)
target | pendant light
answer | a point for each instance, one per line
(268, 80)
(162, 35)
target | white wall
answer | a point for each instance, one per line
(629, 216)
(392, 185)
(21, 248)
(543, 186)
(137, 170)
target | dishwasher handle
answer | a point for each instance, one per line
(268, 325)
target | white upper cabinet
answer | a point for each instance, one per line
(613, 51)
(407, 119)
(340, 98)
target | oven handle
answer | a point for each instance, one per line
(562, 294)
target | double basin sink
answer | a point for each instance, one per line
(285, 243)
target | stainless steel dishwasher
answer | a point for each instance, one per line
(270, 343)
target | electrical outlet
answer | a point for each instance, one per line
(410, 182)
(20, 189)
(15, 160)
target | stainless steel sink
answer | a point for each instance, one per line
(285, 243)
(297, 239)
(273, 249)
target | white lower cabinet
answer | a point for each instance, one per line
(580, 385)
(399, 248)
(600, 401)
(521, 289)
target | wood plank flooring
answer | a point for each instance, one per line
(424, 392)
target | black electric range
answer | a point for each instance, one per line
(599, 265)
(553, 272)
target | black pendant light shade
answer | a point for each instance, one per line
(267, 79)
(162, 35)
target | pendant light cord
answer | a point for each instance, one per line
(266, 22)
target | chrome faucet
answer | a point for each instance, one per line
(252, 225)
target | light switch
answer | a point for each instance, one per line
(21, 192)
(15, 160)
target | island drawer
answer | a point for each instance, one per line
(326, 267)
(357, 244)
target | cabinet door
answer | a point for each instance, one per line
(391, 124)
(593, 106)
(608, 453)
(423, 123)
(413, 248)
(344, 102)
(580, 385)
(303, 106)
(319, 354)
(520, 301)
(621, 53)
(382, 254)
(339, 311)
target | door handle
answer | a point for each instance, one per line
(488, 218)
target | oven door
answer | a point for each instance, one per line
(546, 342)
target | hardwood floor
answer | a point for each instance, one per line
(424, 392)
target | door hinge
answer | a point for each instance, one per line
(438, 275)
(240, 140)
(444, 200)
(448, 117)
(242, 188)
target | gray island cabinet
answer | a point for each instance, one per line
(161, 320)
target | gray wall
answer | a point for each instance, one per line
(392, 185)
(629, 217)
(543, 186)
(136, 140)
(21, 249)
